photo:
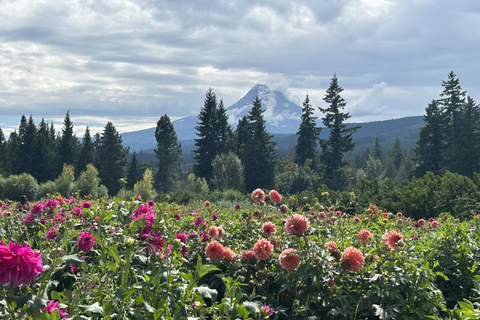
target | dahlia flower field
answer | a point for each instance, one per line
(133, 259)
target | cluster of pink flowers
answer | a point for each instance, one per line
(146, 212)
(289, 260)
(216, 232)
(297, 224)
(52, 306)
(216, 251)
(19, 265)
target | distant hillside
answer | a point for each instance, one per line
(405, 129)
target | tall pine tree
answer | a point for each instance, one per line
(45, 163)
(206, 150)
(308, 132)
(453, 102)
(86, 154)
(377, 150)
(214, 136)
(111, 159)
(3, 155)
(259, 153)
(68, 144)
(340, 140)
(134, 173)
(224, 130)
(430, 149)
(27, 139)
(169, 155)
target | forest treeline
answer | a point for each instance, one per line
(245, 158)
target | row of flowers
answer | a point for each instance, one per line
(325, 254)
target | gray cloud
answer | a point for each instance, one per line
(138, 60)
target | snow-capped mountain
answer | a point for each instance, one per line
(282, 116)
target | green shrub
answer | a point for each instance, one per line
(66, 181)
(145, 186)
(47, 188)
(17, 185)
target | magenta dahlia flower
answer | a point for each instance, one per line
(85, 241)
(19, 265)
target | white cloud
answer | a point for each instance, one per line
(146, 58)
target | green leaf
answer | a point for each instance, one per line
(114, 253)
(252, 307)
(441, 274)
(207, 293)
(148, 307)
(466, 306)
(93, 308)
(72, 259)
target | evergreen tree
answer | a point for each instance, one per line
(242, 135)
(45, 154)
(206, 148)
(225, 141)
(67, 144)
(228, 172)
(27, 139)
(3, 155)
(259, 154)
(430, 149)
(453, 101)
(377, 150)
(111, 159)
(307, 134)
(87, 153)
(469, 144)
(169, 155)
(134, 173)
(12, 154)
(340, 140)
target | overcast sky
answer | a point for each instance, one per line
(132, 61)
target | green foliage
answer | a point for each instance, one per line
(308, 132)
(65, 183)
(145, 186)
(340, 140)
(169, 155)
(111, 158)
(47, 188)
(258, 151)
(228, 172)
(14, 186)
(214, 136)
(89, 183)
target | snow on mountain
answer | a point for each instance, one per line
(281, 115)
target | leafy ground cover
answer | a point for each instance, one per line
(134, 259)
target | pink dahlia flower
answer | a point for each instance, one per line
(352, 259)
(263, 249)
(258, 195)
(52, 306)
(214, 250)
(249, 255)
(391, 238)
(19, 265)
(269, 228)
(85, 241)
(297, 224)
(229, 254)
(274, 196)
(288, 260)
(365, 236)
